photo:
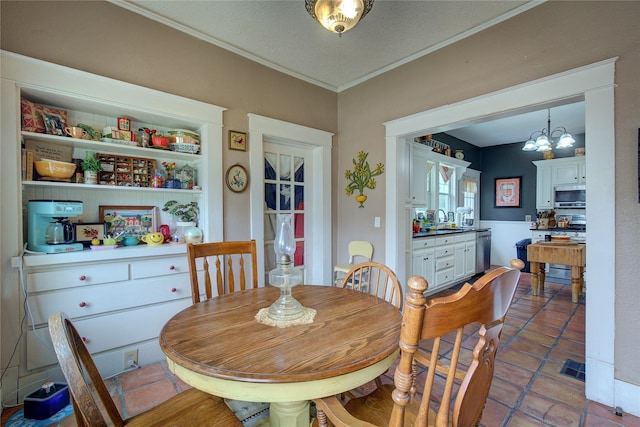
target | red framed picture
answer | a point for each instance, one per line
(508, 192)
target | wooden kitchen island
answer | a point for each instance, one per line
(567, 253)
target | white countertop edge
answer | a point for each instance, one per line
(88, 255)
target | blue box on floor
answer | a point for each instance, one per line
(47, 401)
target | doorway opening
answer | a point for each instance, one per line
(595, 83)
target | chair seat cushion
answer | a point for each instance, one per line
(343, 268)
(197, 407)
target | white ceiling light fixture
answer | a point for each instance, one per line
(545, 142)
(338, 16)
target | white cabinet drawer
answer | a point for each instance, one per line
(92, 300)
(445, 240)
(81, 275)
(443, 277)
(106, 332)
(444, 251)
(161, 266)
(443, 263)
(424, 242)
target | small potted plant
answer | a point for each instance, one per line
(186, 216)
(361, 177)
(90, 167)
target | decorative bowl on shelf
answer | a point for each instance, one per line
(184, 132)
(55, 169)
(160, 141)
(185, 148)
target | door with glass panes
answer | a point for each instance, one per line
(285, 188)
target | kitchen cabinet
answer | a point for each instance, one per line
(120, 298)
(544, 186)
(418, 176)
(465, 255)
(423, 259)
(573, 171)
(549, 173)
(444, 260)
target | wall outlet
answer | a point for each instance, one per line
(130, 358)
(527, 218)
(376, 222)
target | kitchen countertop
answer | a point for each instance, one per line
(444, 231)
(559, 229)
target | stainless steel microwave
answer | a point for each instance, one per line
(570, 196)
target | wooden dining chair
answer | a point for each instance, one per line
(453, 369)
(94, 407)
(375, 279)
(233, 261)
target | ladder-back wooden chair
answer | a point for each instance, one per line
(94, 407)
(375, 279)
(232, 263)
(465, 375)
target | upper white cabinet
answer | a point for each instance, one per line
(572, 171)
(567, 170)
(544, 186)
(418, 175)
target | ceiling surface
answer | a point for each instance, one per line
(282, 35)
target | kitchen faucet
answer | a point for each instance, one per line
(438, 215)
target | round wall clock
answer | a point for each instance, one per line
(459, 155)
(237, 178)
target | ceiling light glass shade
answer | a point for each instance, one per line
(338, 16)
(542, 141)
(565, 141)
(544, 148)
(530, 145)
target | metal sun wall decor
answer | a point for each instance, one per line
(361, 177)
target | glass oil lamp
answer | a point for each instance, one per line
(285, 275)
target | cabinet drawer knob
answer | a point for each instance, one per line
(83, 304)
(173, 267)
(83, 277)
(174, 290)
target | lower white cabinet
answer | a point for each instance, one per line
(444, 260)
(117, 305)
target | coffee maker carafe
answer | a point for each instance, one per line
(59, 232)
(48, 227)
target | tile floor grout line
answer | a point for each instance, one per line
(538, 372)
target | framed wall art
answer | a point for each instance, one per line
(129, 220)
(508, 192)
(237, 140)
(86, 232)
(236, 178)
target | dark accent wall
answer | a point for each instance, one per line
(505, 161)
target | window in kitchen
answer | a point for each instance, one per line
(446, 188)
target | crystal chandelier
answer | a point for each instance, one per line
(338, 16)
(544, 140)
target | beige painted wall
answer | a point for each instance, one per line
(91, 36)
(548, 39)
(104, 39)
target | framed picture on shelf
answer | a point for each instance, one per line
(86, 232)
(508, 192)
(130, 220)
(237, 140)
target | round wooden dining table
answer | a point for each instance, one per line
(218, 346)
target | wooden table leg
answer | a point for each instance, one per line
(285, 414)
(542, 275)
(534, 277)
(576, 282)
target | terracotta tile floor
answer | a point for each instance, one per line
(528, 389)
